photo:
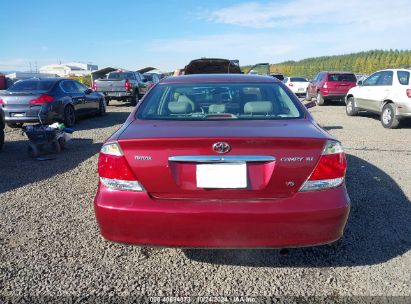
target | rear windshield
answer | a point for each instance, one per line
(32, 85)
(342, 77)
(298, 79)
(247, 101)
(120, 76)
(403, 77)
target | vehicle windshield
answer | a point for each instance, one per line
(204, 101)
(342, 77)
(298, 79)
(120, 76)
(32, 85)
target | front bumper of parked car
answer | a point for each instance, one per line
(305, 219)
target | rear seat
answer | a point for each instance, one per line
(258, 107)
(180, 107)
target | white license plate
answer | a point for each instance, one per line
(226, 176)
(18, 114)
(300, 89)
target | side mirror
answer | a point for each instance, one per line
(88, 91)
(359, 83)
(311, 104)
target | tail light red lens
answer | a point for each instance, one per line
(95, 86)
(114, 171)
(2, 102)
(290, 84)
(42, 100)
(127, 85)
(330, 169)
(409, 93)
(325, 85)
(114, 167)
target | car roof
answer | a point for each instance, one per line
(394, 70)
(338, 72)
(198, 78)
(44, 79)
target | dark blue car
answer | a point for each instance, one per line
(49, 100)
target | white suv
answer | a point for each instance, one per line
(386, 92)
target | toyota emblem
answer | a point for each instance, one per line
(221, 147)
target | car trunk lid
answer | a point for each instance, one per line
(275, 157)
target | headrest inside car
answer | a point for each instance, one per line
(258, 107)
(217, 108)
(180, 107)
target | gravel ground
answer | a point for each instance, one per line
(50, 244)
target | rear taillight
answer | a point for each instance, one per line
(290, 84)
(325, 85)
(127, 85)
(409, 93)
(330, 169)
(114, 171)
(42, 100)
(95, 86)
(2, 102)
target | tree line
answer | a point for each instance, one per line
(361, 63)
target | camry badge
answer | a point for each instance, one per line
(221, 147)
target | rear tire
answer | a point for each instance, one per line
(69, 116)
(388, 118)
(350, 108)
(320, 99)
(101, 108)
(15, 125)
(134, 99)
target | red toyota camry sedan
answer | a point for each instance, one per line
(223, 161)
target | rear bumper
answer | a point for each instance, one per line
(306, 219)
(404, 109)
(30, 114)
(118, 94)
(333, 95)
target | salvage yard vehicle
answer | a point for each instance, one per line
(328, 86)
(386, 92)
(212, 66)
(231, 161)
(298, 85)
(48, 100)
(264, 69)
(122, 85)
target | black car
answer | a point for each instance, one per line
(49, 100)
